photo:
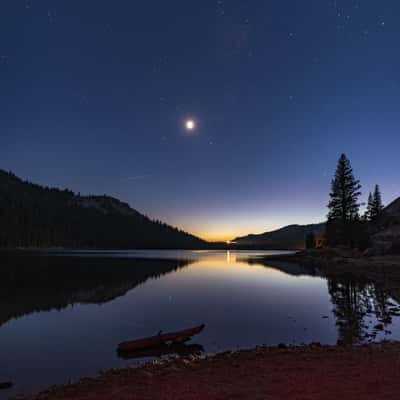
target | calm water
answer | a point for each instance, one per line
(62, 315)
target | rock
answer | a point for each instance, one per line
(379, 327)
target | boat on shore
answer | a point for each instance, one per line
(160, 339)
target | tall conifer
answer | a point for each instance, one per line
(345, 191)
(368, 213)
(377, 206)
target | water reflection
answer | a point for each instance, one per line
(363, 311)
(51, 324)
(36, 282)
(231, 257)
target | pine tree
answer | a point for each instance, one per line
(377, 206)
(345, 191)
(368, 213)
(344, 226)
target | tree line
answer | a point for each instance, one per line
(346, 226)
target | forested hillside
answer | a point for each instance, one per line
(36, 216)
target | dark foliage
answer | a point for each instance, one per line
(368, 212)
(376, 206)
(311, 242)
(345, 191)
(36, 216)
(353, 234)
(344, 226)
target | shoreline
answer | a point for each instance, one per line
(305, 372)
(383, 270)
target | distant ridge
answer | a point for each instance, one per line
(385, 232)
(392, 210)
(288, 237)
(35, 216)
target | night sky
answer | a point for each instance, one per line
(95, 95)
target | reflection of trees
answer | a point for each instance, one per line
(351, 304)
(382, 304)
(353, 301)
(30, 283)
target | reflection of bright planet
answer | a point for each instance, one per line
(190, 124)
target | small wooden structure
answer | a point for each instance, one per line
(158, 340)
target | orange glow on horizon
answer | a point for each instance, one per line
(213, 234)
(217, 238)
(226, 231)
(217, 235)
(214, 228)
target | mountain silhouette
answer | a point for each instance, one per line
(35, 216)
(288, 237)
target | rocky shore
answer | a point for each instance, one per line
(310, 372)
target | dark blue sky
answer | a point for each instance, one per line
(94, 96)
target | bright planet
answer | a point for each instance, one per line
(190, 124)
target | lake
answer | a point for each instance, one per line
(62, 315)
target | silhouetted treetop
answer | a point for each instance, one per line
(376, 206)
(368, 212)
